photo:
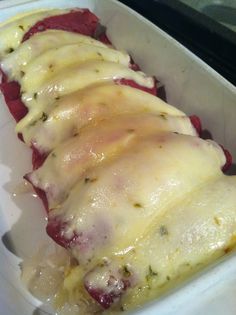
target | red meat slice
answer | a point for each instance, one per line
(55, 230)
(112, 286)
(134, 66)
(133, 84)
(17, 109)
(41, 194)
(3, 75)
(196, 122)
(37, 158)
(229, 160)
(10, 90)
(78, 21)
(104, 39)
(11, 93)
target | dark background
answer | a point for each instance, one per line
(211, 41)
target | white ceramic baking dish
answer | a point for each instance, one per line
(190, 85)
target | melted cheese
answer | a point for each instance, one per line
(75, 110)
(13, 64)
(94, 144)
(188, 236)
(12, 32)
(75, 78)
(52, 61)
(127, 175)
(191, 234)
(127, 195)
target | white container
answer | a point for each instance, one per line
(190, 85)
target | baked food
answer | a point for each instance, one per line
(117, 194)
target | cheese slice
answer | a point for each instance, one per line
(74, 78)
(191, 234)
(95, 144)
(73, 111)
(13, 64)
(12, 32)
(176, 245)
(114, 205)
(43, 67)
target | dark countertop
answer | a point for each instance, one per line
(212, 41)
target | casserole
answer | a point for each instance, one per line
(174, 81)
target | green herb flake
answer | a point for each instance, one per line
(151, 272)
(35, 95)
(9, 50)
(90, 180)
(57, 98)
(125, 271)
(33, 123)
(217, 221)
(227, 250)
(168, 278)
(99, 54)
(122, 308)
(130, 130)
(21, 27)
(150, 275)
(44, 117)
(137, 205)
(140, 289)
(163, 116)
(163, 230)
(54, 155)
(75, 134)
(86, 180)
(97, 70)
(22, 73)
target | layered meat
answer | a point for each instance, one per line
(131, 190)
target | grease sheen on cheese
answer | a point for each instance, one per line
(43, 67)
(97, 142)
(198, 230)
(74, 78)
(67, 115)
(12, 32)
(140, 184)
(102, 141)
(190, 234)
(14, 63)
